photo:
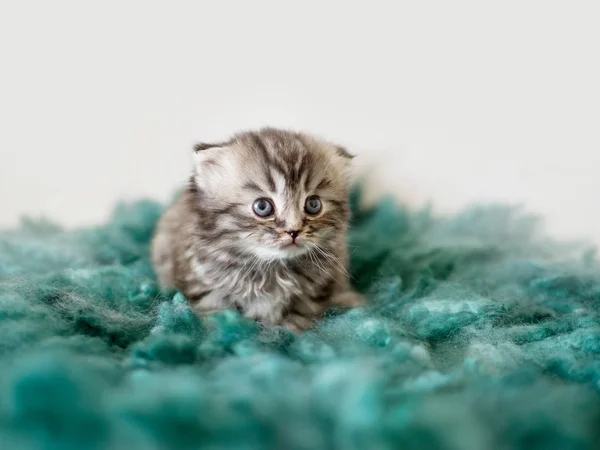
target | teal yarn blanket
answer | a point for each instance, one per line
(480, 334)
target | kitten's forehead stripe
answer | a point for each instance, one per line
(304, 165)
(270, 181)
(325, 183)
(266, 155)
(300, 168)
(251, 185)
(307, 182)
(259, 147)
(286, 154)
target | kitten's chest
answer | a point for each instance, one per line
(275, 284)
(272, 282)
(267, 295)
(264, 291)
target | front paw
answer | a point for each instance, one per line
(348, 299)
(297, 323)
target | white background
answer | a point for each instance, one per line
(448, 102)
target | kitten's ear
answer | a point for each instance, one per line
(212, 165)
(341, 151)
(207, 154)
(200, 146)
(344, 159)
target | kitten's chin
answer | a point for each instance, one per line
(288, 252)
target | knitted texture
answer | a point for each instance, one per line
(480, 334)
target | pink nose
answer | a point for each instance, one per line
(293, 234)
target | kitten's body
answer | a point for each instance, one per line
(213, 248)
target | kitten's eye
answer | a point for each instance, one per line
(313, 205)
(262, 207)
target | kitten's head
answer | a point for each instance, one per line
(271, 193)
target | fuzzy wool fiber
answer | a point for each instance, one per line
(479, 334)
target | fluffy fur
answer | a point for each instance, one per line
(479, 334)
(284, 268)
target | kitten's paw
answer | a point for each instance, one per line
(297, 323)
(348, 299)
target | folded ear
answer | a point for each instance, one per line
(344, 160)
(206, 154)
(204, 146)
(341, 151)
(214, 165)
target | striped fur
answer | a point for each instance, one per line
(213, 248)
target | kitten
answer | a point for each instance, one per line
(261, 228)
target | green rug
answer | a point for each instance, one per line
(480, 334)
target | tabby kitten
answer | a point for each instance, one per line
(261, 228)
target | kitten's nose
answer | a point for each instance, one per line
(293, 233)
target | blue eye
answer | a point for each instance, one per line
(262, 207)
(313, 205)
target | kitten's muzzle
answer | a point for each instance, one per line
(294, 234)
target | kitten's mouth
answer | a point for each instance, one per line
(290, 243)
(291, 249)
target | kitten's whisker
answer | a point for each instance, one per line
(340, 265)
(315, 260)
(321, 265)
(333, 260)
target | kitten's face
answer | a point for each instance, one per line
(273, 194)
